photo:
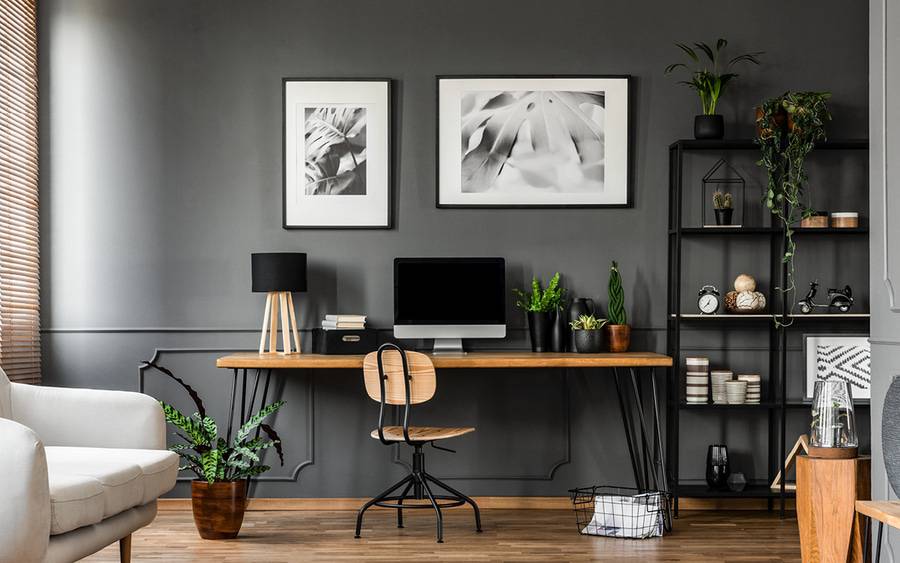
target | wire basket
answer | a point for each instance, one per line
(622, 512)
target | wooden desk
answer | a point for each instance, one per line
(648, 461)
(885, 512)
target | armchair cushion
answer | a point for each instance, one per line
(75, 501)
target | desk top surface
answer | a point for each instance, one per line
(512, 359)
(887, 511)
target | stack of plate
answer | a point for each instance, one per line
(753, 387)
(697, 380)
(718, 377)
(736, 392)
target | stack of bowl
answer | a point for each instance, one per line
(753, 387)
(718, 378)
(736, 392)
(697, 380)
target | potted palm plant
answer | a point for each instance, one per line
(222, 465)
(541, 305)
(617, 330)
(709, 79)
(587, 334)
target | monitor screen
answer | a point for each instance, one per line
(449, 291)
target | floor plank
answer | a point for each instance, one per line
(509, 535)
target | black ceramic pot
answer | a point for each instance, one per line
(717, 468)
(559, 330)
(709, 127)
(723, 216)
(588, 341)
(578, 307)
(539, 325)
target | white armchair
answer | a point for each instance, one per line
(81, 469)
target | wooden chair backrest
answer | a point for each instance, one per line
(421, 388)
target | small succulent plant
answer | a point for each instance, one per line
(722, 200)
(587, 322)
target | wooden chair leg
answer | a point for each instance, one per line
(125, 549)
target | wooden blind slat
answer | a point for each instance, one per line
(20, 342)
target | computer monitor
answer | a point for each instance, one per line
(449, 299)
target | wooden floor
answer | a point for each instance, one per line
(509, 535)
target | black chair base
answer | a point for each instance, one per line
(417, 482)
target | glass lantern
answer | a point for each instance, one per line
(833, 430)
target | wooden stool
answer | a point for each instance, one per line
(831, 531)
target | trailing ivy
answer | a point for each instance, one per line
(788, 128)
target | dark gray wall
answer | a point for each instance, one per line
(161, 172)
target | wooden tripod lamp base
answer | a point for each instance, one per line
(279, 302)
(278, 275)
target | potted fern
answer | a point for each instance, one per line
(541, 305)
(618, 331)
(222, 465)
(587, 334)
(709, 80)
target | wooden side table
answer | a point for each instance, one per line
(885, 512)
(831, 530)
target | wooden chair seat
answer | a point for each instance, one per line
(423, 433)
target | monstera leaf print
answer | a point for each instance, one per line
(335, 145)
(552, 139)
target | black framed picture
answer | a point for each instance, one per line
(337, 153)
(534, 141)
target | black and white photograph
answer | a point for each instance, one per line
(846, 357)
(337, 153)
(540, 142)
(335, 150)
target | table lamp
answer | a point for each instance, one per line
(278, 274)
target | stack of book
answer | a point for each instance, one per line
(344, 322)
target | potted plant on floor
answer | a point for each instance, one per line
(723, 206)
(709, 82)
(617, 330)
(788, 128)
(222, 465)
(587, 334)
(540, 306)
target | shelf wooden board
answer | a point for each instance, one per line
(750, 144)
(758, 231)
(887, 511)
(511, 359)
(835, 316)
(765, 405)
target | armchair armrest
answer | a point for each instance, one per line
(24, 496)
(90, 417)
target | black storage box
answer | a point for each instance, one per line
(344, 341)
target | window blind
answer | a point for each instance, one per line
(20, 344)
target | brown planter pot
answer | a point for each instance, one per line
(778, 121)
(619, 337)
(219, 508)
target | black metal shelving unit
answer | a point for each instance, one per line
(774, 403)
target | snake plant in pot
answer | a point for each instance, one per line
(788, 128)
(709, 79)
(543, 307)
(222, 466)
(618, 331)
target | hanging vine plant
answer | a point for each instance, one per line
(788, 128)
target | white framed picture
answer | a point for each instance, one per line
(534, 141)
(839, 356)
(337, 153)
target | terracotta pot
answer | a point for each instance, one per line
(219, 508)
(619, 337)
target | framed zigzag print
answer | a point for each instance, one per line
(839, 356)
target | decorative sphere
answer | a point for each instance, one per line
(731, 301)
(744, 282)
(750, 301)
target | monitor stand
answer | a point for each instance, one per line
(448, 347)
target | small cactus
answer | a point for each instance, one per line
(722, 200)
(616, 313)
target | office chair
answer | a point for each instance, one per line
(396, 377)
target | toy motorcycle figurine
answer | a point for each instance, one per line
(840, 299)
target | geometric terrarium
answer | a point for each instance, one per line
(723, 192)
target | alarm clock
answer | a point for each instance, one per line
(708, 300)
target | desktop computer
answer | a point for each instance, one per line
(449, 299)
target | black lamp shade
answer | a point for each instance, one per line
(278, 271)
